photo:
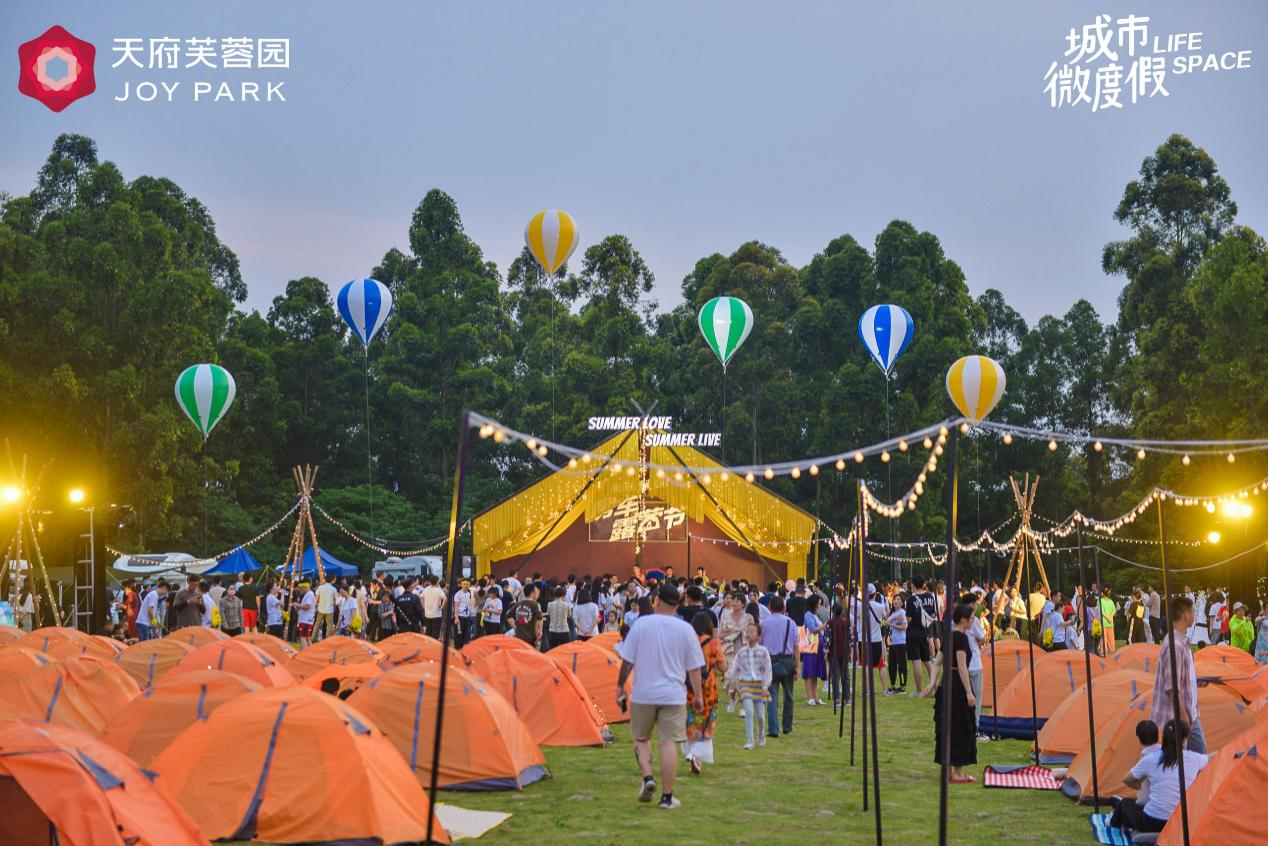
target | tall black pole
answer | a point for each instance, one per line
(1171, 656)
(864, 653)
(994, 594)
(871, 692)
(952, 512)
(1087, 668)
(453, 563)
(1030, 639)
(854, 640)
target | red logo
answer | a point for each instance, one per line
(56, 68)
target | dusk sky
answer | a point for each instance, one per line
(689, 127)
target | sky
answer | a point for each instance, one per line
(689, 127)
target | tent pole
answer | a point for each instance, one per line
(452, 563)
(871, 695)
(1087, 668)
(994, 595)
(953, 479)
(1171, 656)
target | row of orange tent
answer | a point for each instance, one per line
(157, 702)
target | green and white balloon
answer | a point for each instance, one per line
(205, 392)
(725, 322)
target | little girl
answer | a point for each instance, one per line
(751, 677)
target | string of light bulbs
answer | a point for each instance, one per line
(219, 556)
(1256, 548)
(383, 550)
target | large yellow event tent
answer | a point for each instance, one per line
(605, 514)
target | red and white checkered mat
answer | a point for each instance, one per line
(1028, 777)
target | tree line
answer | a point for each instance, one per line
(110, 286)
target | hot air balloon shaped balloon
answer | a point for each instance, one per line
(365, 305)
(975, 384)
(551, 236)
(886, 331)
(205, 392)
(725, 322)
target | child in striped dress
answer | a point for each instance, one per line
(750, 677)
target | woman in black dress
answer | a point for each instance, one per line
(963, 703)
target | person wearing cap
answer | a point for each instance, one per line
(1241, 631)
(665, 656)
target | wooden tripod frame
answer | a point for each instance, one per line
(305, 532)
(1026, 548)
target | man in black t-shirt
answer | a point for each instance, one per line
(922, 609)
(796, 604)
(250, 608)
(526, 615)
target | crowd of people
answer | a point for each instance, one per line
(696, 645)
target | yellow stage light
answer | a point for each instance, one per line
(1213, 537)
(76, 495)
(12, 493)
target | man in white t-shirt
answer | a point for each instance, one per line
(433, 599)
(664, 654)
(327, 598)
(514, 585)
(306, 616)
(977, 637)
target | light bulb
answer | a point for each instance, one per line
(796, 473)
(902, 446)
(1185, 461)
(885, 457)
(1052, 446)
(964, 428)
(840, 465)
(769, 474)
(1008, 437)
(1231, 458)
(928, 443)
(1097, 446)
(858, 458)
(1140, 453)
(814, 469)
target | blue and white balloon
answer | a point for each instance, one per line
(886, 331)
(365, 305)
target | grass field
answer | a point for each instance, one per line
(800, 789)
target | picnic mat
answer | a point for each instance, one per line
(1108, 834)
(465, 824)
(1027, 777)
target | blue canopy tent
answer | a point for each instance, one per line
(238, 561)
(329, 563)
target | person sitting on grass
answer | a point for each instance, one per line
(1162, 771)
(1127, 811)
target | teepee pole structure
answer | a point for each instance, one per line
(305, 532)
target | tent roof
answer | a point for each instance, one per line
(768, 524)
(239, 561)
(329, 564)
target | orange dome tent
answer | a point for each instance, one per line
(1012, 657)
(155, 718)
(1057, 675)
(16, 660)
(150, 660)
(487, 645)
(1066, 731)
(196, 636)
(8, 634)
(598, 669)
(1223, 718)
(551, 701)
(81, 692)
(236, 656)
(41, 639)
(1136, 656)
(608, 639)
(63, 786)
(281, 651)
(305, 767)
(336, 649)
(1217, 800)
(485, 745)
(96, 646)
(1225, 655)
(350, 677)
(411, 648)
(1249, 688)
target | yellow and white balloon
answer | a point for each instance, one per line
(975, 383)
(551, 236)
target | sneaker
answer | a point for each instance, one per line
(748, 746)
(820, 702)
(761, 741)
(730, 707)
(983, 738)
(669, 803)
(810, 702)
(647, 791)
(695, 766)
